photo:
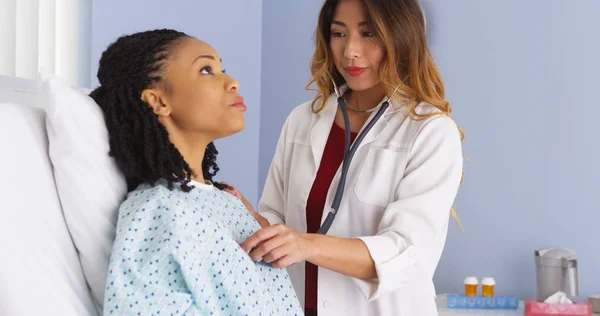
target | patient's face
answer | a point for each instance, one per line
(204, 101)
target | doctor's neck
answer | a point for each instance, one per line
(365, 99)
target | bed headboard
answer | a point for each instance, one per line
(18, 91)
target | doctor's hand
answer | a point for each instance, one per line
(279, 245)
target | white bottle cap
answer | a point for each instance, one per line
(471, 280)
(488, 281)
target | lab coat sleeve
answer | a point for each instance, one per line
(411, 233)
(271, 205)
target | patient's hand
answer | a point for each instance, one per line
(235, 192)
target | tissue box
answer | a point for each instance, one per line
(578, 308)
(493, 302)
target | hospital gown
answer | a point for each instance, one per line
(178, 253)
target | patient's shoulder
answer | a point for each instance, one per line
(148, 197)
(151, 204)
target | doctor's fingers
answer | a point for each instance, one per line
(286, 261)
(262, 235)
(267, 246)
(278, 253)
(284, 256)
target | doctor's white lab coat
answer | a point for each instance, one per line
(400, 188)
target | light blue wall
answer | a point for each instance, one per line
(233, 28)
(288, 37)
(522, 77)
(85, 41)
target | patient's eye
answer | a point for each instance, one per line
(206, 70)
(209, 71)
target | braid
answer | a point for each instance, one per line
(138, 141)
(209, 165)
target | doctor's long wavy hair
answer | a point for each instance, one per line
(138, 141)
(399, 27)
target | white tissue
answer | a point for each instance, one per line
(558, 298)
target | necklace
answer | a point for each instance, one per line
(355, 109)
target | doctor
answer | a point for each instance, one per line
(379, 255)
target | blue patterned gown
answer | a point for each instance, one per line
(177, 253)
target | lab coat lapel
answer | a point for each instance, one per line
(321, 128)
(324, 120)
(381, 124)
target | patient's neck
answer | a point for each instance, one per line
(191, 145)
(192, 148)
(194, 157)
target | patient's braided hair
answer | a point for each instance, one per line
(138, 141)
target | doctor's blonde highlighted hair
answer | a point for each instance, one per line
(407, 66)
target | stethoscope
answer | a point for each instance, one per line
(348, 154)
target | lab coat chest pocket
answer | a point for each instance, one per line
(380, 175)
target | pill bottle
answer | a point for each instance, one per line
(471, 286)
(487, 286)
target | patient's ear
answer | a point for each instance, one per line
(154, 98)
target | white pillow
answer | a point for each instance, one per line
(40, 273)
(89, 184)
